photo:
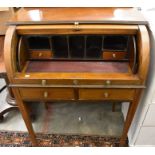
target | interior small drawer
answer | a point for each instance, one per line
(106, 94)
(44, 82)
(40, 54)
(114, 55)
(47, 93)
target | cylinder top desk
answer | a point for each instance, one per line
(77, 54)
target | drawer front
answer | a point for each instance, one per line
(43, 82)
(47, 93)
(114, 55)
(106, 94)
(42, 54)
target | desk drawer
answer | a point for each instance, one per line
(47, 93)
(109, 55)
(42, 54)
(106, 94)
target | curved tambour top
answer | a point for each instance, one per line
(10, 45)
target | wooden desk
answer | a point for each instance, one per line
(49, 56)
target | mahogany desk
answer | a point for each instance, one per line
(77, 54)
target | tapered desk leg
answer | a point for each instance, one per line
(25, 115)
(131, 111)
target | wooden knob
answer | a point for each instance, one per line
(40, 54)
(45, 94)
(106, 95)
(75, 82)
(76, 26)
(114, 55)
(27, 75)
(108, 82)
(43, 82)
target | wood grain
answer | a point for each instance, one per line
(25, 115)
(82, 14)
(83, 29)
(52, 94)
(81, 66)
(22, 55)
(130, 115)
(2, 65)
(10, 58)
(144, 52)
(107, 55)
(40, 54)
(112, 94)
(4, 17)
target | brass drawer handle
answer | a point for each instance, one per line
(76, 26)
(45, 94)
(108, 82)
(106, 95)
(40, 54)
(114, 55)
(27, 75)
(43, 82)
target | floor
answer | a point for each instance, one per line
(70, 118)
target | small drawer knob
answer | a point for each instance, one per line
(45, 94)
(40, 54)
(27, 75)
(76, 26)
(43, 82)
(108, 82)
(75, 82)
(106, 94)
(114, 55)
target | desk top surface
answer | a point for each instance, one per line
(81, 67)
(82, 15)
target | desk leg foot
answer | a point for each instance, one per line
(131, 111)
(26, 116)
(34, 142)
(123, 143)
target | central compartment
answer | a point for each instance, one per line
(76, 53)
(78, 47)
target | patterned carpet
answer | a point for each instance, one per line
(19, 139)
